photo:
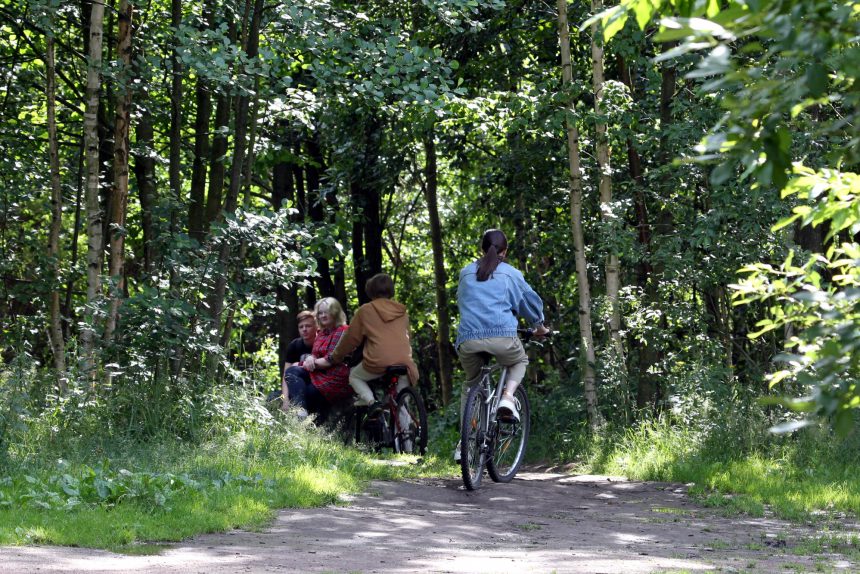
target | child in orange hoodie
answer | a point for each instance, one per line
(383, 326)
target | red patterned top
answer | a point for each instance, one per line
(332, 383)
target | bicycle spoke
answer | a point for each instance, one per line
(410, 423)
(472, 437)
(509, 443)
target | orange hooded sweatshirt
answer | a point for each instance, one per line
(383, 325)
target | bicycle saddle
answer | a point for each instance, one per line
(390, 375)
(486, 357)
(396, 370)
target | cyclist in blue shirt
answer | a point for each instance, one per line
(492, 296)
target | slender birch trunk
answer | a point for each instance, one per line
(586, 337)
(613, 281)
(55, 328)
(119, 192)
(95, 254)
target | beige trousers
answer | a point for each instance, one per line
(508, 352)
(358, 377)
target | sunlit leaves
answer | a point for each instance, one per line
(834, 198)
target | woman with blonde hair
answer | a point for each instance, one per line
(321, 383)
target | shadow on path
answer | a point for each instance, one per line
(541, 522)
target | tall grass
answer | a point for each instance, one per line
(119, 491)
(795, 475)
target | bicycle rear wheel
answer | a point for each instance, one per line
(410, 428)
(371, 432)
(473, 430)
(508, 442)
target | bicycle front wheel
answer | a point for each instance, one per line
(508, 442)
(473, 430)
(410, 434)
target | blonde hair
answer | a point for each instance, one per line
(334, 309)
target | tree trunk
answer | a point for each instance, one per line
(613, 280)
(283, 189)
(586, 337)
(216, 299)
(315, 201)
(668, 79)
(217, 159)
(647, 357)
(247, 178)
(203, 100)
(119, 193)
(93, 208)
(144, 172)
(365, 197)
(68, 310)
(197, 193)
(443, 333)
(175, 154)
(55, 328)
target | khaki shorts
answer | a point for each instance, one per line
(508, 352)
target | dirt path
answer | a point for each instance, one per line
(542, 522)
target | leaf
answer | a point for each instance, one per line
(722, 173)
(713, 8)
(614, 26)
(102, 489)
(816, 80)
(790, 426)
(843, 422)
(644, 10)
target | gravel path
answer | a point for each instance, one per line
(541, 522)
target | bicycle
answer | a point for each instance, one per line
(401, 424)
(485, 441)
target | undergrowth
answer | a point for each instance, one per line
(127, 494)
(796, 476)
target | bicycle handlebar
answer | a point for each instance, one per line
(527, 334)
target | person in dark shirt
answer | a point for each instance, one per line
(298, 349)
(318, 383)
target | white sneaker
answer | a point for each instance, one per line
(301, 413)
(509, 410)
(457, 452)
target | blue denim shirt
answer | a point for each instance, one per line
(491, 308)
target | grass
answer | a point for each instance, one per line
(795, 477)
(135, 497)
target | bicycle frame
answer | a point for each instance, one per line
(396, 422)
(493, 396)
(487, 442)
(490, 404)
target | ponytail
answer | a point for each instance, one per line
(493, 243)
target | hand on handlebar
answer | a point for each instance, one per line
(540, 332)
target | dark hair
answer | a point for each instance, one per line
(380, 286)
(493, 243)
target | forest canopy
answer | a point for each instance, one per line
(678, 179)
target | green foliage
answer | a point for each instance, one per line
(104, 491)
(15, 404)
(795, 477)
(769, 89)
(819, 300)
